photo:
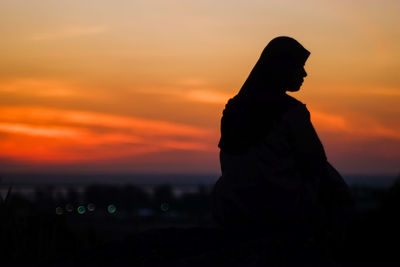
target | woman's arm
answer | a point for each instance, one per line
(307, 148)
(333, 192)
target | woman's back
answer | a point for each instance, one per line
(265, 185)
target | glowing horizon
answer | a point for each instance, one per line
(139, 86)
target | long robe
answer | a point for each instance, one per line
(282, 179)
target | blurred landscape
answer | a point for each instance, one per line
(67, 218)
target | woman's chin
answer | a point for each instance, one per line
(293, 88)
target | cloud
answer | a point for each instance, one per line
(144, 126)
(359, 126)
(192, 82)
(207, 96)
(189, 89)
(69, 32)
(53, 135)
(40, 88)
(29, 149)
(329, 122)
(198, 95)
(38, 115)
(392, 92)
(357, 90)
(20, 128)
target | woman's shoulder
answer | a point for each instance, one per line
(292, 102)
(295, 109)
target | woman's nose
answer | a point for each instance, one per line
(304, 73)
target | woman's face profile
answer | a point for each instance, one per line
(294, 78)
(279, 69)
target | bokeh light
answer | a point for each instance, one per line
(91, 207)
(81, 209)
(111, 209)
(59, 211)
(164, 206)
(69, 208)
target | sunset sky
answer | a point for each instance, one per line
(139, 86)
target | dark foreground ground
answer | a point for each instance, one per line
(128, 225)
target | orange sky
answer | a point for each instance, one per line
(139, 86)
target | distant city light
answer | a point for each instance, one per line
(145, 212)
(91, 207)
(59, 211)
(111, 209)
(164, 207)
(69, 208)
(81, 209)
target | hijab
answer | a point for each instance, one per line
(249, 115)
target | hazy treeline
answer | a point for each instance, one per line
(54, 226)
(126, 201)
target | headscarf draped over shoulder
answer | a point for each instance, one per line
(249, 115)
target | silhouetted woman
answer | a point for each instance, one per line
(275, 174)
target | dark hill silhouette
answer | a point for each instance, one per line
(30, 234)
